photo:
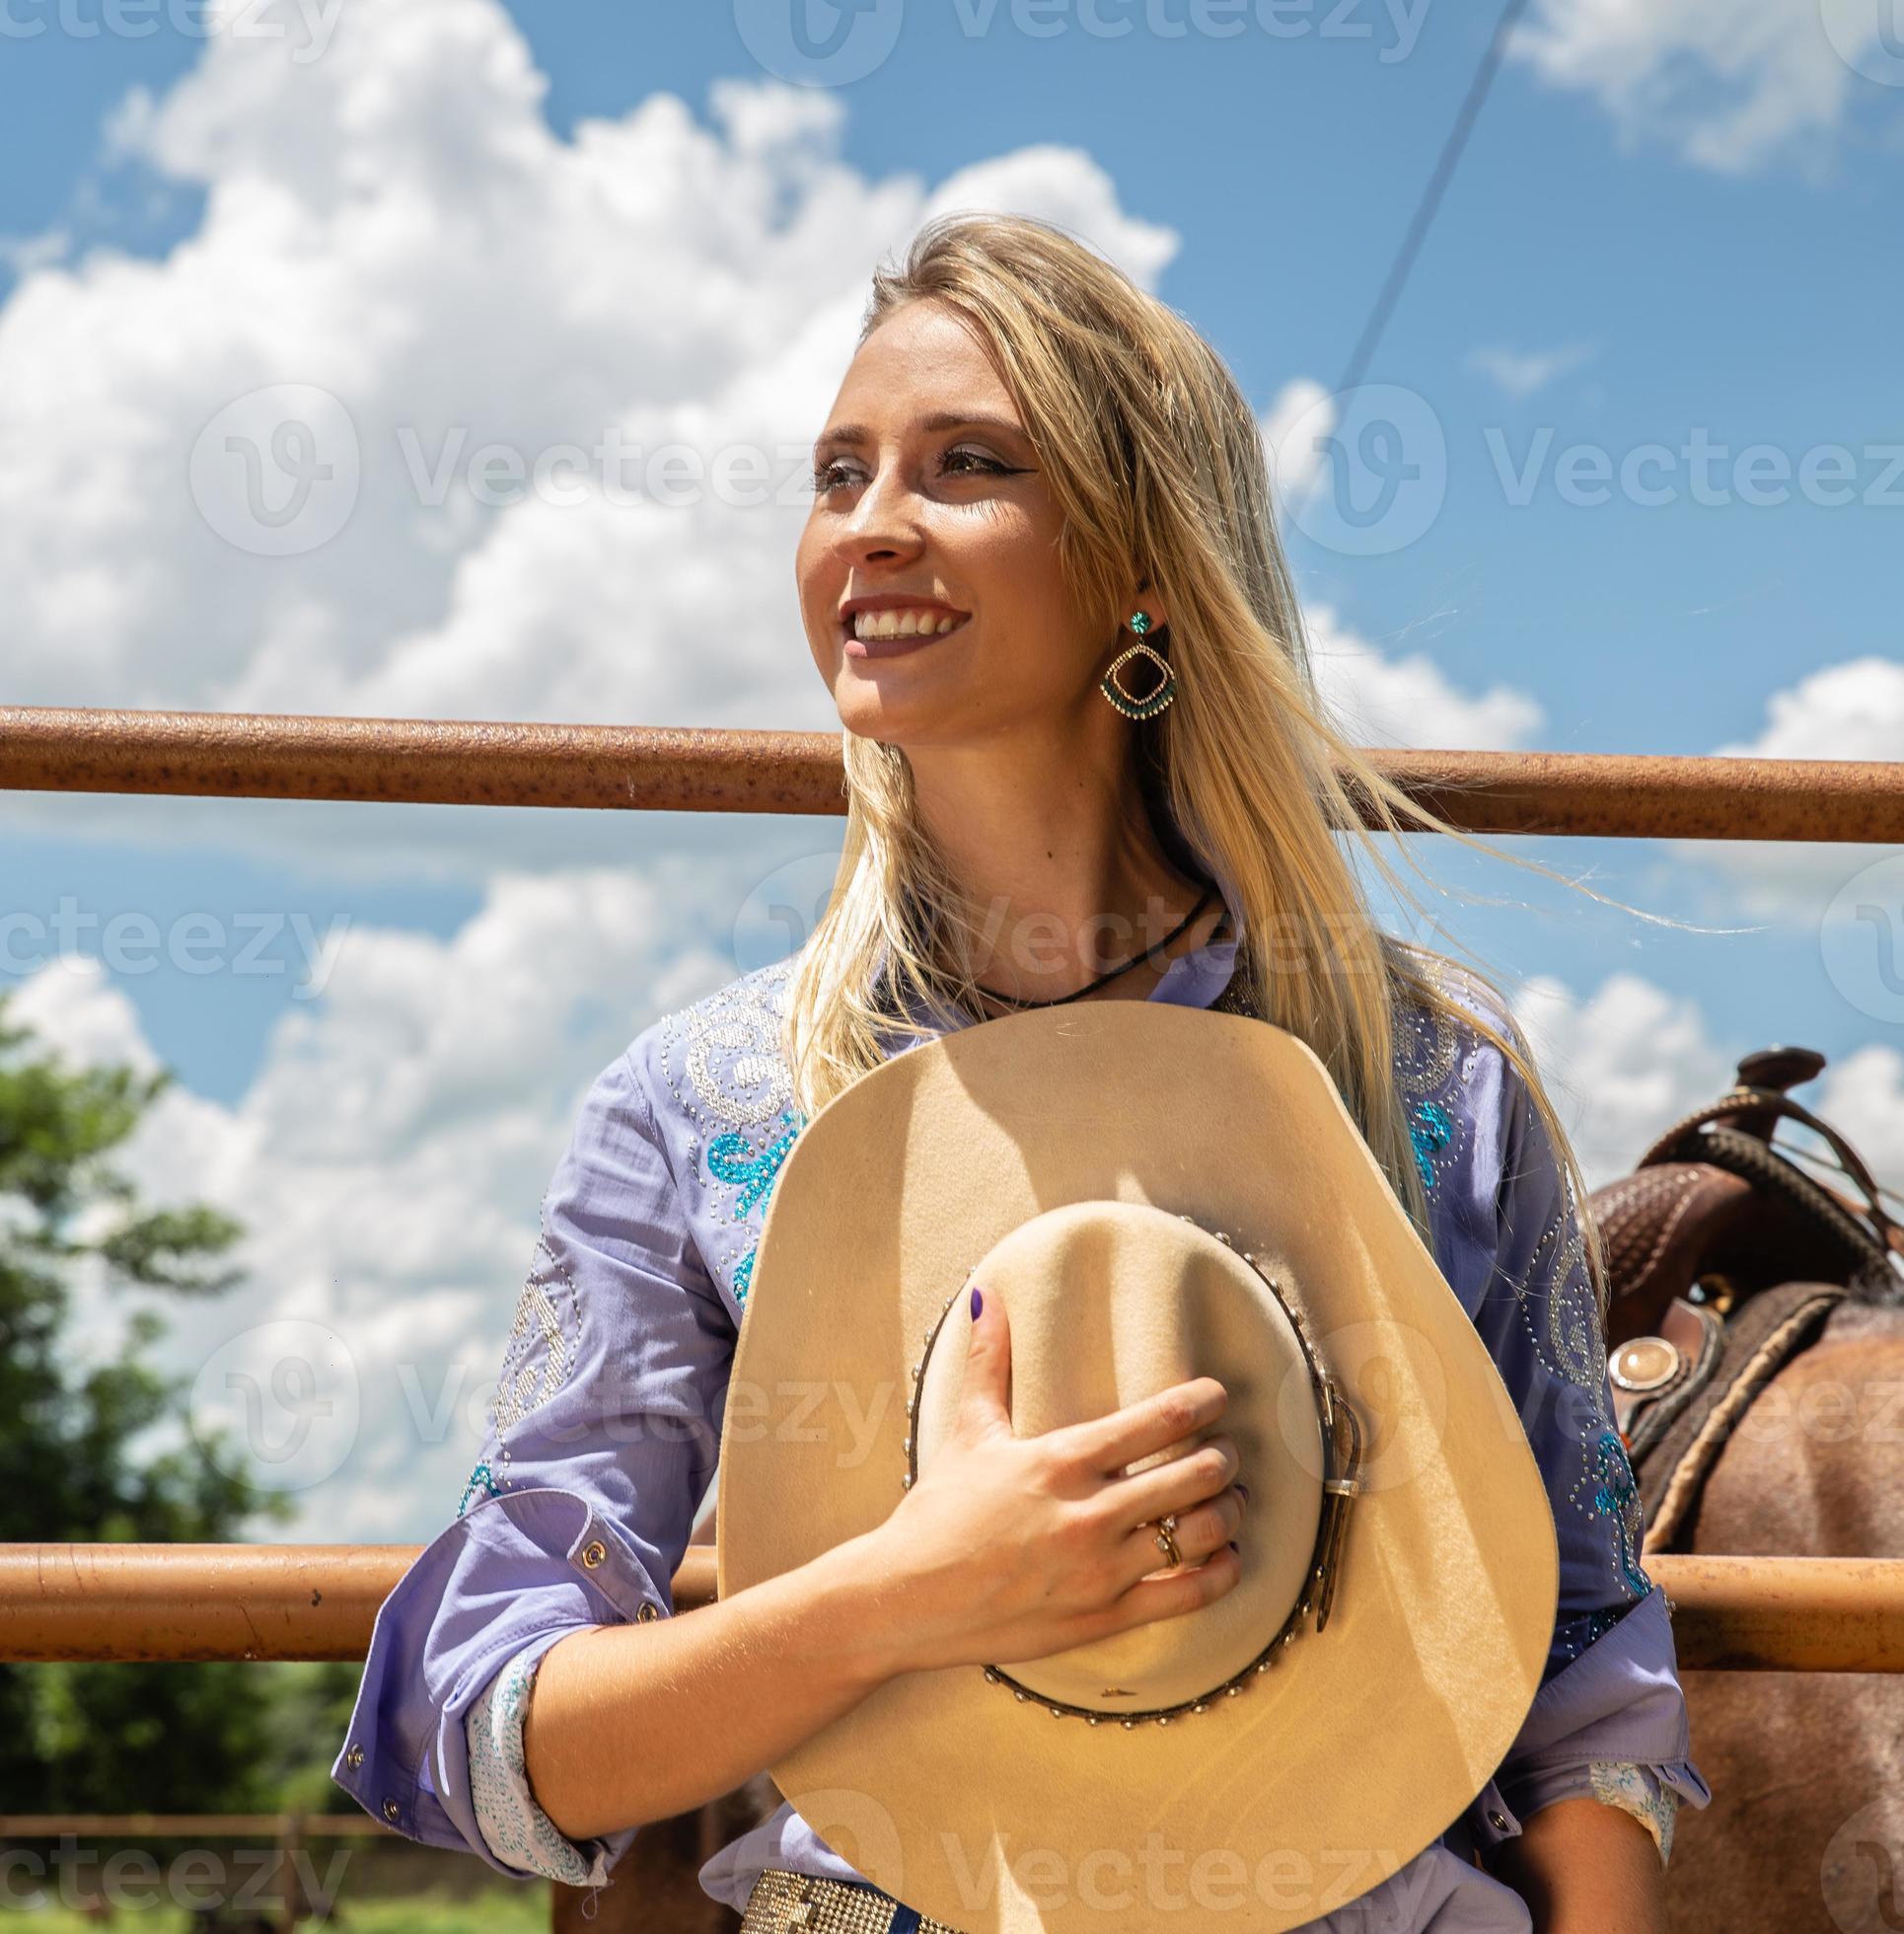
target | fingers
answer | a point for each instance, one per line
(1173, 1593)
(1198, 1534)
(984, 1400)
(1104, 1446)
(1184, 1481)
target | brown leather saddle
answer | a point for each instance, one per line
(1725, 1257)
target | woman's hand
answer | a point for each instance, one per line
(1012, 1549)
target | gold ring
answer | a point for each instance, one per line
(1166, 1542)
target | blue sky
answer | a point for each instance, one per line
(1668, 230)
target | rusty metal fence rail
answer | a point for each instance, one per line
(204, 1601)
(481, 763)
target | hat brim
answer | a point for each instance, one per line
(1364, 1742)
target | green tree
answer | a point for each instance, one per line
(112, 1738)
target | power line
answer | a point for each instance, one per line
(1432, 195)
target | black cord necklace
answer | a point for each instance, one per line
(1123, 967)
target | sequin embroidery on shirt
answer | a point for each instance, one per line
(544, 1340)
(730, 1158)
(723, 1062)
(1429, 1069)
(481, 1479)
(1431, 1131)
(1570, 1338)
(1616, 1495)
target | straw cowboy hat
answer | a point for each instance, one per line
(1155, 1193)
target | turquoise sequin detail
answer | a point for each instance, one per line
(481, 1476)
(1430, 1132)
(1617, 1496)
(731, 1159)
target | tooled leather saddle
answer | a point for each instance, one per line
(1725, 1257)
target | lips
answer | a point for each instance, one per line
(892, 627)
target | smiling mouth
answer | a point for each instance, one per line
(891, 633)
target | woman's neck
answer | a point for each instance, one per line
(1065, 871)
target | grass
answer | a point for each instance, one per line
(502, 1911)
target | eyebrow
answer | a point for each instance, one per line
(955, 420)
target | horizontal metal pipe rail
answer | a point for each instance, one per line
(482, 763)
(200, 1601)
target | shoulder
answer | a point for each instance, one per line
(717, 1063)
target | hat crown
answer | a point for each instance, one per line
(1109, 1302)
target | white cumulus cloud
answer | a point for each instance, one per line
(1410, 701)
(1731, 83)
(388, 1158)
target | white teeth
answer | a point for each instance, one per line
(912, 621)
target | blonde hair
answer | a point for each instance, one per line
(1156, 462)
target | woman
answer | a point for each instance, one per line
(1084, 760)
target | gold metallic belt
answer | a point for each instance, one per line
(786, 1903)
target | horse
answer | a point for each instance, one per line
(1755, 1331)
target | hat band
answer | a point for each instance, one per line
(1341, 1441)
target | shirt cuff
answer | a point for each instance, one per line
(1612, 1725)
(514, 1827)
(1651, 1793)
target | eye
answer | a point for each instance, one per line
(984, 465)
(962, 459)
(825, 477)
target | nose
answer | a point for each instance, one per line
(883, 524)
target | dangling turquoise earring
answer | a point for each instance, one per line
(1155, 701)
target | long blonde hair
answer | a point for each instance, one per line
(1156, 461)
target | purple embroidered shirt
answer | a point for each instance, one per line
(606, 1420)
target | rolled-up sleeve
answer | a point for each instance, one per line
(1609, 1721)
(600, 1445)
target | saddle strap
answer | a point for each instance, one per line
(1758, 1342)
(1654, 1378)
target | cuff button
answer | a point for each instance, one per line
(1498, 1822)
(649, 1612)
(594, 1554)
(391, 1810)
(354, 1758)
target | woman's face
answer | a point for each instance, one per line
(932, 519)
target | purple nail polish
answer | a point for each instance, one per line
(978, 1302)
